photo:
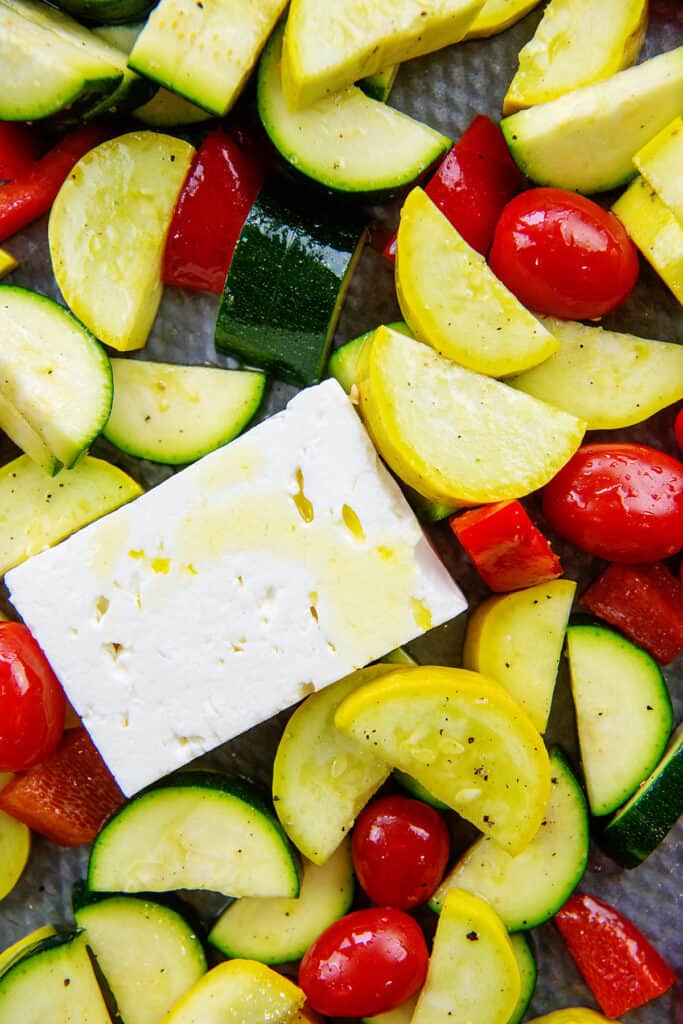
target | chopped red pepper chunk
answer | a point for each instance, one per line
(223, 182)
(621, 968)
(645, 602)
(473, 183)
(68, 797)
(31, 195)
(19, 147)
(507, 550)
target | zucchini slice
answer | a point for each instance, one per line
(517, 639)
(54, 373)
(287, 281)
(15, 846)
(608, 379)
(586, 139)
(44, 72)
(637, 829)
(148, 954)
(464, 738)
(37, 511)
(200, 830)
(348, 142)
(343, 363)
(239, 992)
(107, 233)
(623, 713)
(279, 931)
(53, 984)
(227, 38)
(576, 43)
(24, 945)
(322, 778)
(107, 12)
(379, 85)
(473, 974)
(528, 972)
(528, 889)
(453, 301)
(328, 46)
(175, 414)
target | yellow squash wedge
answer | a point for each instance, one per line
(655, 230)
(578, 42)
(575, 1015)
(452, 301)
(456, 436)
(517, 640)
(660, 162)
(462, 737)
(497, 15)
(608, 379)
(15, 846)
(473, 974)
(329, 46)
(322, 778)
(7, 263)
(238, 992)
(108, 229)
(23, 945)
(37, 511)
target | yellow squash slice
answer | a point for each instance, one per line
(23, 945)
(322, 778)
(452, 301)
(7, 263)
(578, 42)
(108, 229)
(608, 379)
(660, 162)
(497, 15)
(575, 1015)
(473, 974)
(456, 436)
(238, 992)
(517, 640)
(15, 845)
(463, 738)
(329, 46)
(655, 230)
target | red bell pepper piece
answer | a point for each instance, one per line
(223, 182)
(19, 147)
(645, 602)
(621, 968)
(473, 183)
(31, 195)
(507, 550)
(68, 797)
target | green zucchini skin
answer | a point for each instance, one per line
(288, 277)
(637, 829)
(528, 973)
(107, 12)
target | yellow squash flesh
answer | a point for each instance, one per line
(329, 46)
(108, 229)
(464, 739)
(575, 1015)
(238, 992)
(497, 15)
(608, 379)
(7, 263)
(456, 436)
(15, 845)
(473, 974)
(660, 162)
(517, 640)
(655, 230)
(578, 42)
(452, 301)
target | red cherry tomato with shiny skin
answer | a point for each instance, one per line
(622, 502)
(400, 851)
(365, 963)
(678, 428)
(32, 702)
(563, 255)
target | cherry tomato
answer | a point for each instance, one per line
(622, 502)
(400, 850)
(678, 428)
(563, 255)
(31, 701)
(365, 963)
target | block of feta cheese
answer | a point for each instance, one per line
(266, 570)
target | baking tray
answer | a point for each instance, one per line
(446, 90)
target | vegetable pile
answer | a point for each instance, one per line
(424, 815)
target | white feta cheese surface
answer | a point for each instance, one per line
(268, 569)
